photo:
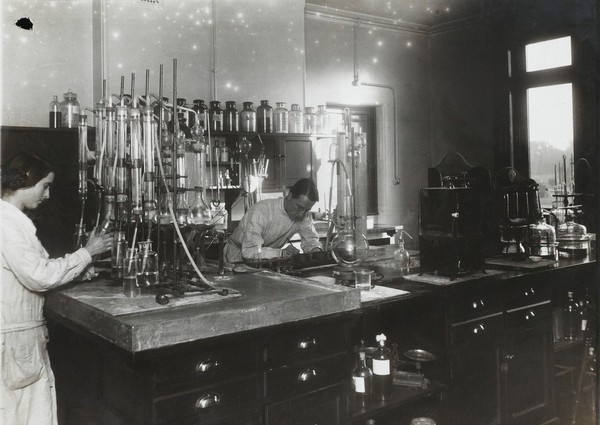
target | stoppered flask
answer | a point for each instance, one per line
(70, 110)
(295, 121)
(362, 380)
(382, 374)
(215, 114)
(280, 118)
(310, 120)
(401, 255)
(54, 114)
(230, 116)
(248, 118)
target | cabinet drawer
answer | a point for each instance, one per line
(527, 293)
(305, 344)
(474, 303)
(530, 315)
(208, 402)
(484, 329)
(323, 407)
(306, 376)
(207, 365)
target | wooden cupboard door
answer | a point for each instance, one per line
(529, 365)
(322, 407)
(477, 385)
(298, 161)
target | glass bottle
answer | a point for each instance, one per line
(199, 212)
(280, 118)
(362, 381)
(201, 110)
(70, 110)
(310, 121)
(118, 250)
(224, 152)
(296, 117)
(230, 116)
(572, 319)
(54, 114)
(264, 117)
(572, 238)
(382, 376)
(217, 151)
(541, 239)
(131, 267)
(215, 116)
(401, 255)
(248, 118)
(322, 118)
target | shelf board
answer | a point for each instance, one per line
(401, 396)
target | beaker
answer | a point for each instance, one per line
(148, 266)
(131, 267)
(362, 279)
(119, 246)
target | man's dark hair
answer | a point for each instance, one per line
(305, 187)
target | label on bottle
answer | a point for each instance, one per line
(381, 367)
(359, 384)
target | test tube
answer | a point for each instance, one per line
(149, 140)
(136, 161)
(83, 149)
(121, 160)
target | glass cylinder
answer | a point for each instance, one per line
(310, 121)
(295, 121)
(264, 117)
(247, 118)
(215, 116)
(201, 110)
(131, 267)
(118, 249)
(322, 118)
(280, 118)
(54, 114)
(148, 266)
(230, 116)
(70, 110)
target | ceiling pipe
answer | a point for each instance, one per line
(357, 82)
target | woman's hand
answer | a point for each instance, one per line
(97, 244)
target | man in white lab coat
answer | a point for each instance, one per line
(268, 226)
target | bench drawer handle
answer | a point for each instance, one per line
(207, 401)
(307, 375)
(306, 343)
(207, 365)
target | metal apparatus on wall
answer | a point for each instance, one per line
(150, 178)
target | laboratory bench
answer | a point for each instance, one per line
(279, 349)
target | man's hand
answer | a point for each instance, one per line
(290, 251)
(316, 249)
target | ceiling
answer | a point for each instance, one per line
(420, 12)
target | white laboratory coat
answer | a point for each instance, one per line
(267, 226)
(27, 393)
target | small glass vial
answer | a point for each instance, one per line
(215, 115)
(296, 119)
(248, 118)
(224, 152)
(70, 110)
(322, 120)
(54, 113)
(230, 116)
(280, 118)
(264, 117)
(310, 121)
(201, 110)
(362, 380)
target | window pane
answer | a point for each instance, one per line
(550, 122)
(548, 54)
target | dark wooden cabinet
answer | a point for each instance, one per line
(501, 360)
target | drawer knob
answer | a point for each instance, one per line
(306, 343)
(478, 329)
(207, 401)
(529, 292)
(530, 315)
(307, 375)
(207, 365)
(478, 304)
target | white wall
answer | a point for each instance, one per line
(56, 55)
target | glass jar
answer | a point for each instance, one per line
(201, 110)
(54, 113)
(541, 239)
(248, 118)
(118, 248)
(310, 121)
(148, 266)
(573, 240)
(70, 110)
(131, 267)
(280, 118)
(230, 116)
(264, 117)
(322, 118)
(215, 116)
(295, 122)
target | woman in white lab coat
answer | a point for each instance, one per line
(27, 393)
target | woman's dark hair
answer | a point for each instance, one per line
(305, 187)
(24, 170)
